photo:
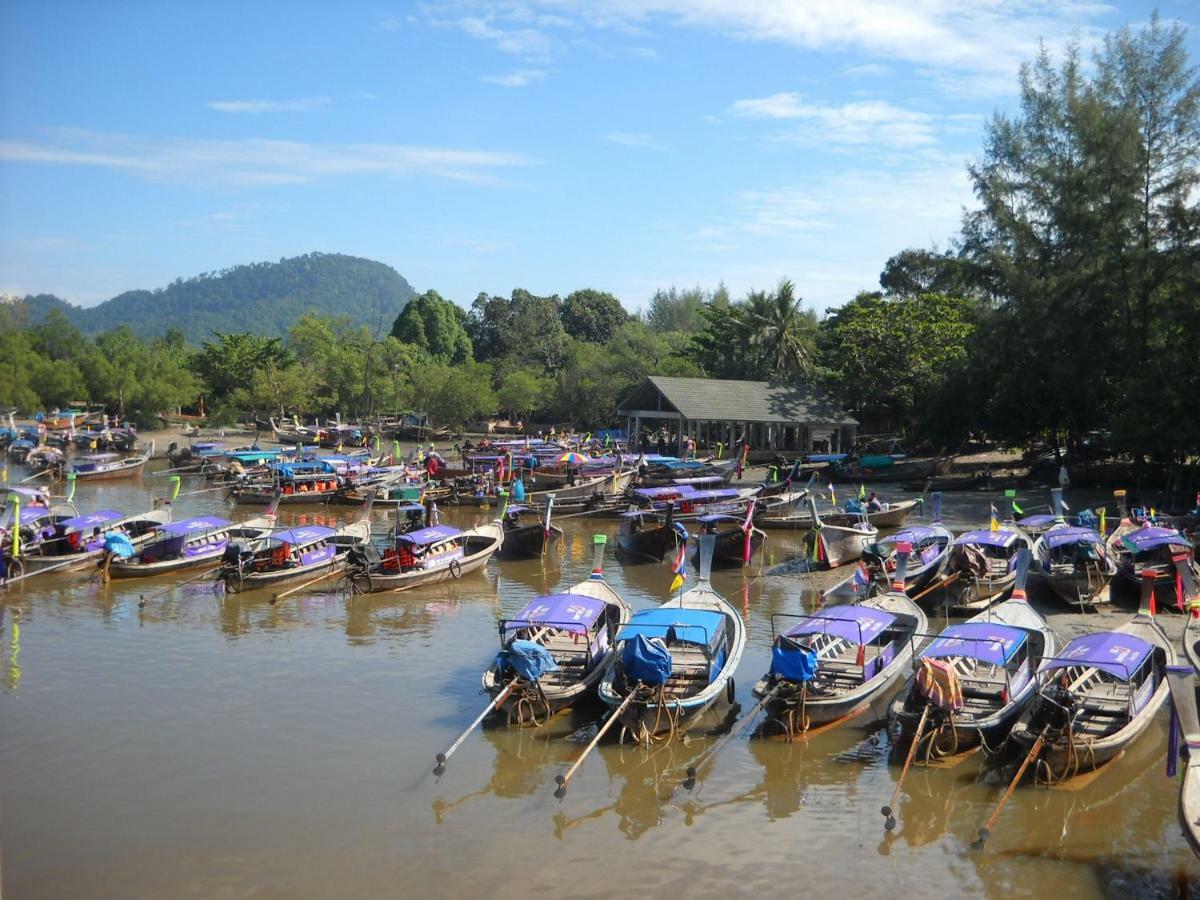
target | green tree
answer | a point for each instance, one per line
(779, 332)
(435, 325)
(230, 362)
(887, 357)
(589, 315)
(522, 391)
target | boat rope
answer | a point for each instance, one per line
(527, 697)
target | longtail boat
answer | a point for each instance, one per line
(974, 679)
(190, 544)
(557, 648)
(425, 556)
(530, 539)
(1074, 563)
(1097, 695)
(737, 540)
(645, 536)
(984, 566)
(304, 481)
(836, 545)
(1186, 725)
(835, 663)
(676, 660)
(291, 555)
(109, 466)
(78, 541)
(1145, 547)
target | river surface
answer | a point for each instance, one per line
(219, 746)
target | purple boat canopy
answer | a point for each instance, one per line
(1041, 520)
(94, 520)
(27, 492)
(1117, 654)
(430, 535)
(987, 641)
(31, 514)
(698, 479)
(309, 534)
(1149, 538)
(571, 612)
(721, 517)
(1001, 538)
(857, 624)
(913, 535)
(652, 493)
(710, 496)
(201, 523)
(1060, 536)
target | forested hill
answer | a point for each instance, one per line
(264, 298)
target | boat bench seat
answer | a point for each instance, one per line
(1106, 708)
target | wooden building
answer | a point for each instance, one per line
(773, 418)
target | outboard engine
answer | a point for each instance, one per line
(236, 556)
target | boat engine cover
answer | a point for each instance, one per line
(646, 660)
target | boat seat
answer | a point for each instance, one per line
(1108, 709)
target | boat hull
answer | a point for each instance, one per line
(487, 540)
(528, 541)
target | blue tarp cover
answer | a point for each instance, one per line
(119, 545)
(528, 659)
(793, 661)
(645, 660)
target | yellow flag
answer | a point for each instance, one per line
(16, 534)
(1103, 520)
(676, 583)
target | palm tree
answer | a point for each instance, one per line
(780, 331)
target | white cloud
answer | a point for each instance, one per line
(303, 104)
(632, 139)
(874, 122)
(967, 46)
(256, 161)
(868, 70)
(527, 43)
(519, 78)
(642, 52)
(829, 233)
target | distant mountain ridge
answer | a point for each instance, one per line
(266, 298)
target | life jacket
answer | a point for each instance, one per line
(391, 560)
(279, 556)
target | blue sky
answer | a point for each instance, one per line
(480, 146)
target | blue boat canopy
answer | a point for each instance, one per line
(571, 612)
(430, 535)
(986, 641)
(857, 624)
(1001, 538)
(200, 523)
(1113, 652)
(94, 520)
(309, 534)
(696, 626)
(1060, 536)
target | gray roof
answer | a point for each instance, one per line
(719, 399)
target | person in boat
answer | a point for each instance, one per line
(874, 504)
(662, 443)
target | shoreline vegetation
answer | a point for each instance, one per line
(1062, 319)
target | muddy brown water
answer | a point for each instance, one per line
(209, 746)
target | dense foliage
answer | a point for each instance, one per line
(263, 298)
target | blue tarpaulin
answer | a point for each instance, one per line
(119, 545)
(647, 661)
(793, 661)
(528, 659)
